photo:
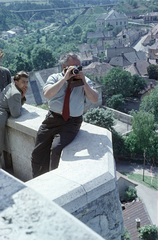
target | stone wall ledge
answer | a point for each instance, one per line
(25, 214)
(86, 176)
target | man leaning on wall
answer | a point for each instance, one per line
(65, 92)
(5, 76)
(11, 100)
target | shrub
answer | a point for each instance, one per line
(116, 101)
(148, 232)
(130, 194)
(100, 117)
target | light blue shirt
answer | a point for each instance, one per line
(77, 96)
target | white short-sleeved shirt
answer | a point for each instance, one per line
(77, 96)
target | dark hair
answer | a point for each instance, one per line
(20, 74)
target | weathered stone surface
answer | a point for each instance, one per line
(26, 215)
(84, 184)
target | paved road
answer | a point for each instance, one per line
(148, 196)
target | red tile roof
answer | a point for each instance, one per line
(131, 212)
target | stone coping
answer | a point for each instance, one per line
(85, 172)
(24, 214)
(86, 168)
(29, 121)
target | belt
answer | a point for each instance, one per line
(58, 114)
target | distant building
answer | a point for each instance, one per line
(87, 58)
(129, 36)
(18, 30)
(8, 34)
(103, 35)
(97, 69)
(120, 61)
(113, 52)
(150, 17)
(153, 50)
(153, 34)
(139, 68)
(112, 18)
(124, 56)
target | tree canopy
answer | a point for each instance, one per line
(152, 71)
(150, 103)
(118, 81)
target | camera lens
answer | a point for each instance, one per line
(75, 71)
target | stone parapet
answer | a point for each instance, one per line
(26, 215)
(126, 118)
(85, 182)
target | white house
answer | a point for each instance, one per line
(112, 18)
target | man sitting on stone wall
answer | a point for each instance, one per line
(61, 124)
(5, 76)
(11, 100)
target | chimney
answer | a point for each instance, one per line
(135, 64)
(138, 222)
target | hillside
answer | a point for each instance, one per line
(52, 32)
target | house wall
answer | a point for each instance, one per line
(123, 184)
(152, 53)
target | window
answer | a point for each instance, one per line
(120, 23)
(116, 23)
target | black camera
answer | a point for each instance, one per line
(76, 82)
(73, 81)
(75, 70)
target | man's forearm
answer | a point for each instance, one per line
(91, 94)
(52, 90)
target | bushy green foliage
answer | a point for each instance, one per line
(150, 103)
(148, 232)
(115, 101)
(117, 81)
(143, 140)
(77, 29)
(118, 142)
(43, 59)
(130, 194)
(152, 71)
(100, 117)
(126, 235)
(138, 84)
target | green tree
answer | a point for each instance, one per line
(143, 126)
(117, 81)
(22, 64)
(148, 232)
(150, 103)
(138, 83)
(116, 101)
(130, 194)
(77, 29)
(100, 117)
(43, 59)
(134, 4)
(152, 71)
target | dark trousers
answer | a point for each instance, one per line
(53, 135)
